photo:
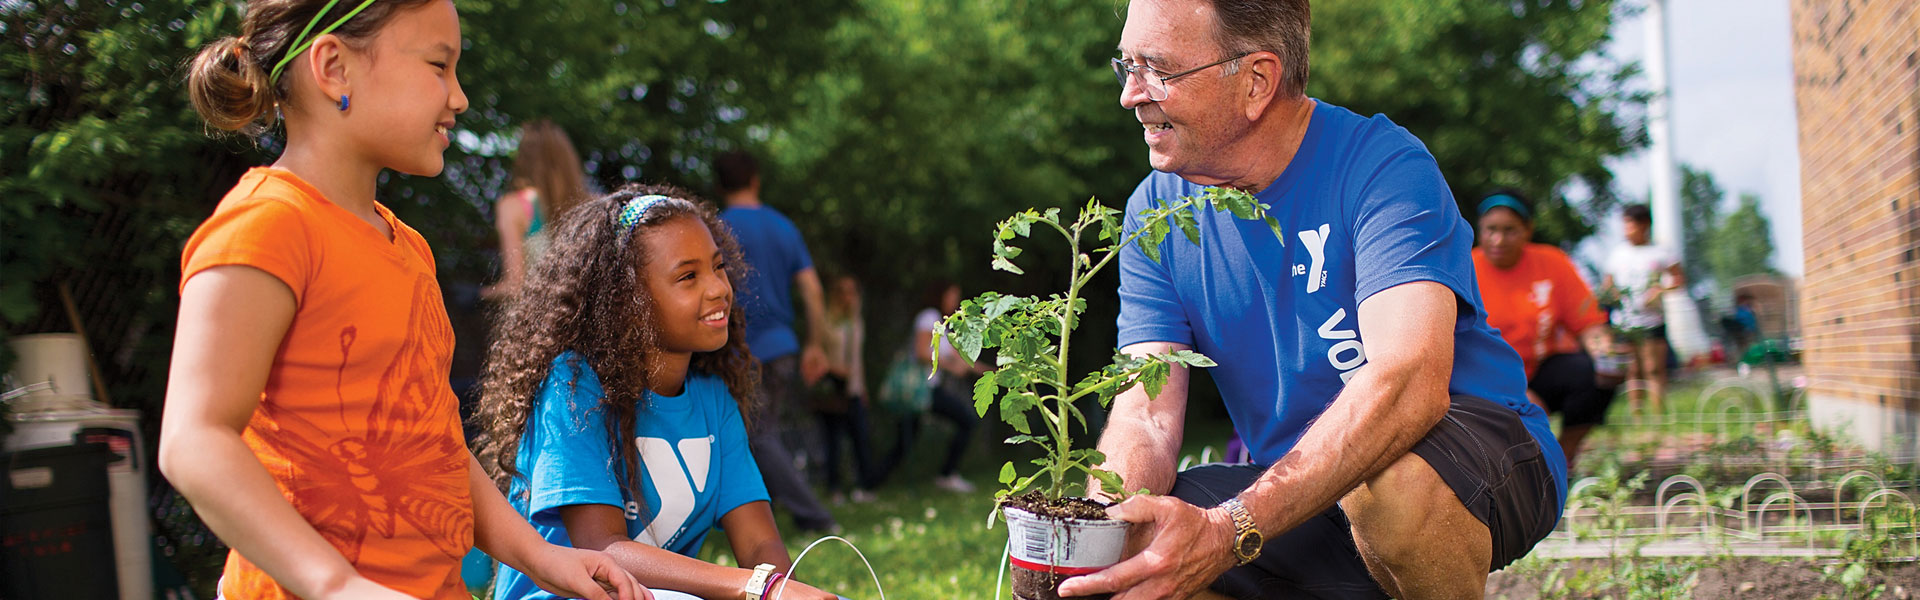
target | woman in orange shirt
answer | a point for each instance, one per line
(308, 416)
(1535, 297)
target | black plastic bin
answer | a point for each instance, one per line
(56, 531)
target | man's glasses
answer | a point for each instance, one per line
(1154, 80)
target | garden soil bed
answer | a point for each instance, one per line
(1714, 578)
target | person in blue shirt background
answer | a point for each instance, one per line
(1394, 449)
(616, 400)
(780, 272)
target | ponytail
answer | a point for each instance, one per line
(229, 87)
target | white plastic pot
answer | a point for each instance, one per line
(1066, 547)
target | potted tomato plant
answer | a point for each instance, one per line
(1055, 531)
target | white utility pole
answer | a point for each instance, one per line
(1684, 330)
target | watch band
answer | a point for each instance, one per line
(1243, 529)
(756, 586)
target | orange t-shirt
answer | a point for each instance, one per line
(357, 425)
(1539, 300)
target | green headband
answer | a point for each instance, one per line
(302, 42)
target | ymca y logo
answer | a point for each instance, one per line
(675, 484)
(1316, 242)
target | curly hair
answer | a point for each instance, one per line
(587, 296)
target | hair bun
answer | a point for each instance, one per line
(228, 87)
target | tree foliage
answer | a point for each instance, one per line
(1742, 244)
(1700, 199)
(1516, 94)
(1721, 247)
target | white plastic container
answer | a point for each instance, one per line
(126, 481)
(56, 358)
(1065, 546)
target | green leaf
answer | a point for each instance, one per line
(984, 390)
(1023, 223)
(1153, 376)
(1187, 225)
(1187, 358)
(1015, 416)
(1007, 474)
(1004, 265)
(1150, 241)
(1088, 456)
(1001, 304)
(1109, 482)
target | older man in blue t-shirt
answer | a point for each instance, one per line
(1395, 450)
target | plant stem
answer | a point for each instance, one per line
(1064, 388)
(1057, 419)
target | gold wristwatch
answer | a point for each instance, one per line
(1246, 538)
(757, 584)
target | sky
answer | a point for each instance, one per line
(1731, 71)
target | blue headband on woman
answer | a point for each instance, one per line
(636, 209)
(1506, 201)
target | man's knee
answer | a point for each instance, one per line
(1408, 513)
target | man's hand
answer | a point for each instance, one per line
(1187, 549)
(576, 573)
(813, 364)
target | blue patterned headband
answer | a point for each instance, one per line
(636, 209)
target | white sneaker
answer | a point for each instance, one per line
(862, 496)
(953, 483)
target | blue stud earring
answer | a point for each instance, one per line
(343, 103)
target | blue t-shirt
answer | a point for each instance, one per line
(1363, 208)
(775, 252)
(693, 448)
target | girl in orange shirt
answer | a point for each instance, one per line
(308, 416)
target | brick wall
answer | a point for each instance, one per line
(1855, 87)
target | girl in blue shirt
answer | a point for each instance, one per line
(616, 396)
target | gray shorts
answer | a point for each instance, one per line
(1481, 449)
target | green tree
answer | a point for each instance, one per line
(1519, 94)
(1742, 244)
(926, 131)
(1700, 200)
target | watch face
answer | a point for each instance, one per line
(1249, 545)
